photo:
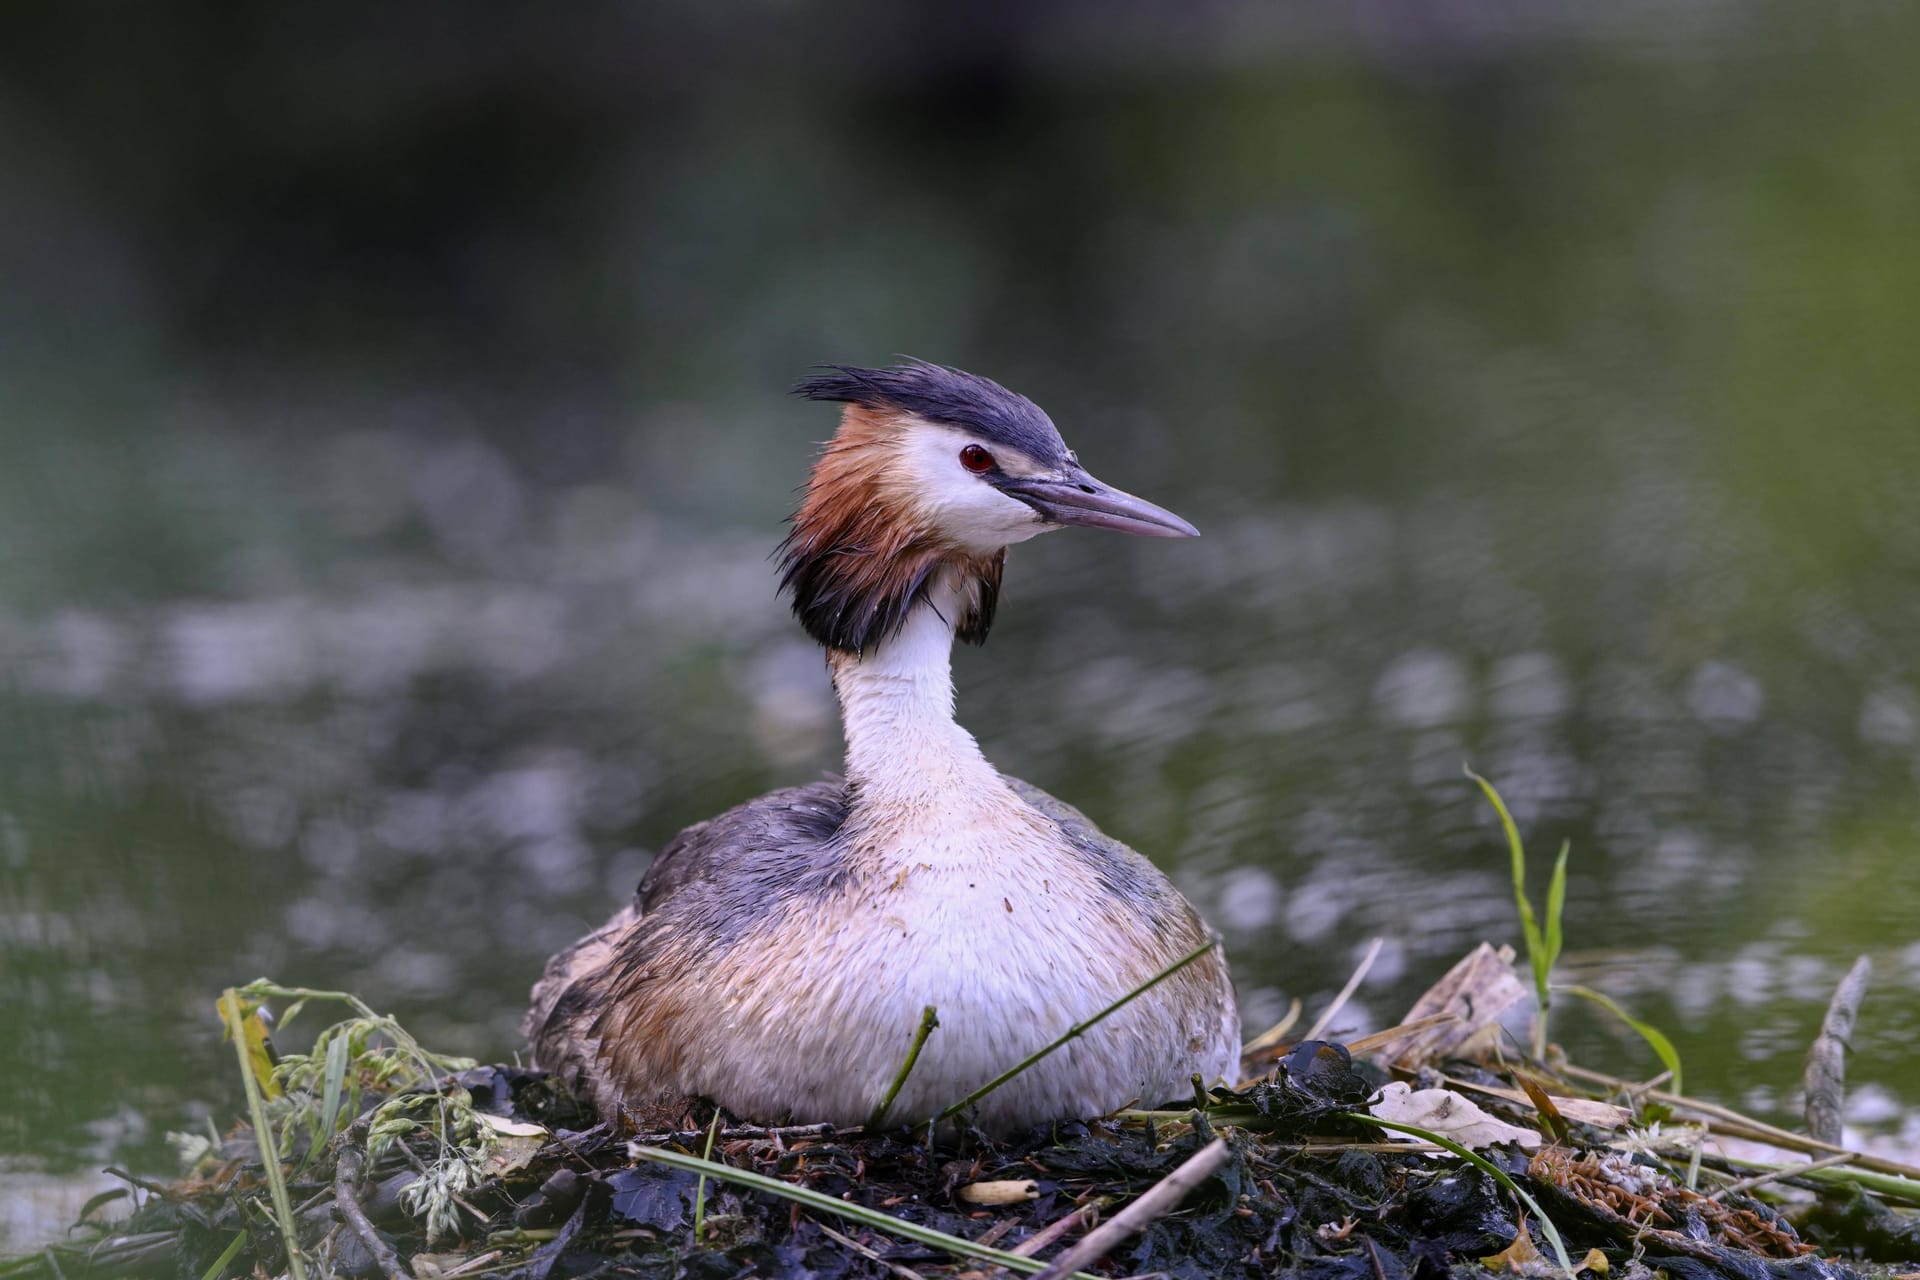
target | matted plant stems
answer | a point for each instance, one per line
(1735, 1125)
(1487, 1166)
(1161, 1198)
(840, 1208)
(838, 1237)
(1778, 1174)
(504, 1152)
(732, 1132)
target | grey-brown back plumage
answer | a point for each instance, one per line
(753, 853)
(713, 883)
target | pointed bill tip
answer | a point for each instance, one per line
(1075, 497)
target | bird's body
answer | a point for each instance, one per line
(777, 958)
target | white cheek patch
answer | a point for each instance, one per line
(960, 504)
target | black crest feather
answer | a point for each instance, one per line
(950, 396)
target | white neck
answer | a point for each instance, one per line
(904, 748)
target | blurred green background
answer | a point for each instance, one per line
(393, 433)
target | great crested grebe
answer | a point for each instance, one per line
(777, 959)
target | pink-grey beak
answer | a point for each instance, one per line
(1074, 497)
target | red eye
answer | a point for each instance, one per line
(976, 459)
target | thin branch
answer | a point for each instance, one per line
(1162, 1198)
(1885, 1185)
(904, 1273)
(346, 1198)
(1775, 1175)
(1319, 1026)
(1373, 1252)
(1733, 1124)
(1080, 1028)
(821, 1130)
(1274, 1036)
(1046, 1235)
(1379, 1039)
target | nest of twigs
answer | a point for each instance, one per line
(394, 1162)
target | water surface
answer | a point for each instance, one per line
(387, 481)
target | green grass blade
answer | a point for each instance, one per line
(1556, 904)
(700, 1191)
(263, 1135)
(929, 1021)
(232, 1251)
(322, 1122)
(333, 1088)
(1547, 1229)
(1655, 1038)
(841, 1208)
(1517, 858)
(1080, 1028)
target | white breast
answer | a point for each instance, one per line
(964, 897)
(1012, 947)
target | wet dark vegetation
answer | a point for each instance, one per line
(1437, 1147)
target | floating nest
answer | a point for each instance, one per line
(497, 1171)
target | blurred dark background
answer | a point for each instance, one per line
(393, 432)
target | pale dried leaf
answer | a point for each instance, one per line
(1449, 1114)
(1603, 1115)
(510, 1128)
(1476, 991)
(515, 1143)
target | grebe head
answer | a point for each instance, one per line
(932, 475)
